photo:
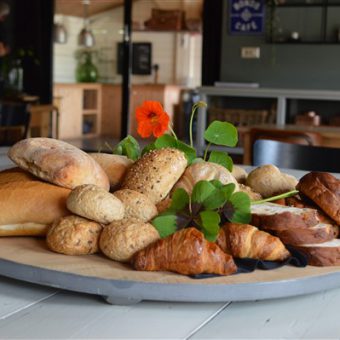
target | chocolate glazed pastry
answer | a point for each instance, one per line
(186, 252)
(323, 189)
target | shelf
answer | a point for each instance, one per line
(303, 43)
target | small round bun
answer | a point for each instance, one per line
(95, 203)
(155, 173)
(239, 173)
(136, 205)
(74, 235)
(268, 181)
(120, 241)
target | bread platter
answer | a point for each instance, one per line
(28, 259)
(164, 224)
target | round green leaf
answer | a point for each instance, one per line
(221, 133)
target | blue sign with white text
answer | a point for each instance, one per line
(246, 16)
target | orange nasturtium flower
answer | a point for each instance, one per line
(151, 119)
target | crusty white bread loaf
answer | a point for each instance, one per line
(319, 233)
(58, 162)
(239, 173)
(155, 173)
(279, 217)
(268, 180)
(27, 206)
(324, 190)
(16, 175)
(204, 171)
(322, 254)
(115, 167)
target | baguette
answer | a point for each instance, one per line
(279, 217)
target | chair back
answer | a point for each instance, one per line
(295, 156)
(14, 122)
(282, 135)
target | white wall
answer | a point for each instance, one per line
(178, 54)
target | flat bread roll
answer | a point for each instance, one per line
(58, 162)
(115, 167)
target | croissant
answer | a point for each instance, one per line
(246, 241)
(186, 252)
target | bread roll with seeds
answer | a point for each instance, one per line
(155, 173)
(74, 235)
(136, 205)
(120, 241)
(95, 203)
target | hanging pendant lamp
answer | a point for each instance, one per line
(86, 37)
(59, 33)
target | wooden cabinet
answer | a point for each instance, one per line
(95, 109)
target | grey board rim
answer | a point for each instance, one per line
(126, 292)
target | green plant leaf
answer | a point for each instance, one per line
(210, 221)
(201, 191)
(148, 148)
(237, 209)
(165, 224)
(221, 133)
(165, 141)
(168, 141)
(221, 158)
(228, 190)
(180, 200)
(215, 200)
(128, 147)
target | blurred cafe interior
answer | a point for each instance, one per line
(77, 69)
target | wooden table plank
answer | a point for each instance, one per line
(74, 315)
(308, 316)
(16, 296)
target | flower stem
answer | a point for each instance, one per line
(277, 197)
(206, 151)
(194, 108)
(172, 131)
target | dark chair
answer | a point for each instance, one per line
(14, 122)
(294, 156)
(283, 135)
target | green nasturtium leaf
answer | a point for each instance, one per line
(128, 147)
(148, 148)
(165, 224)
(210, 221)
(190, 153)
(221, 133)
(221, 158)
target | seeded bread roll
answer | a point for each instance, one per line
(95, 203)
(136, 205)
(74, 235)
(120, 241)
(58, 162)
(155, 173)
(115, 167)
(204, 171)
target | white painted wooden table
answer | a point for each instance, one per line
(31, 311)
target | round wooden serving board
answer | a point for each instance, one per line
(28, 259)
